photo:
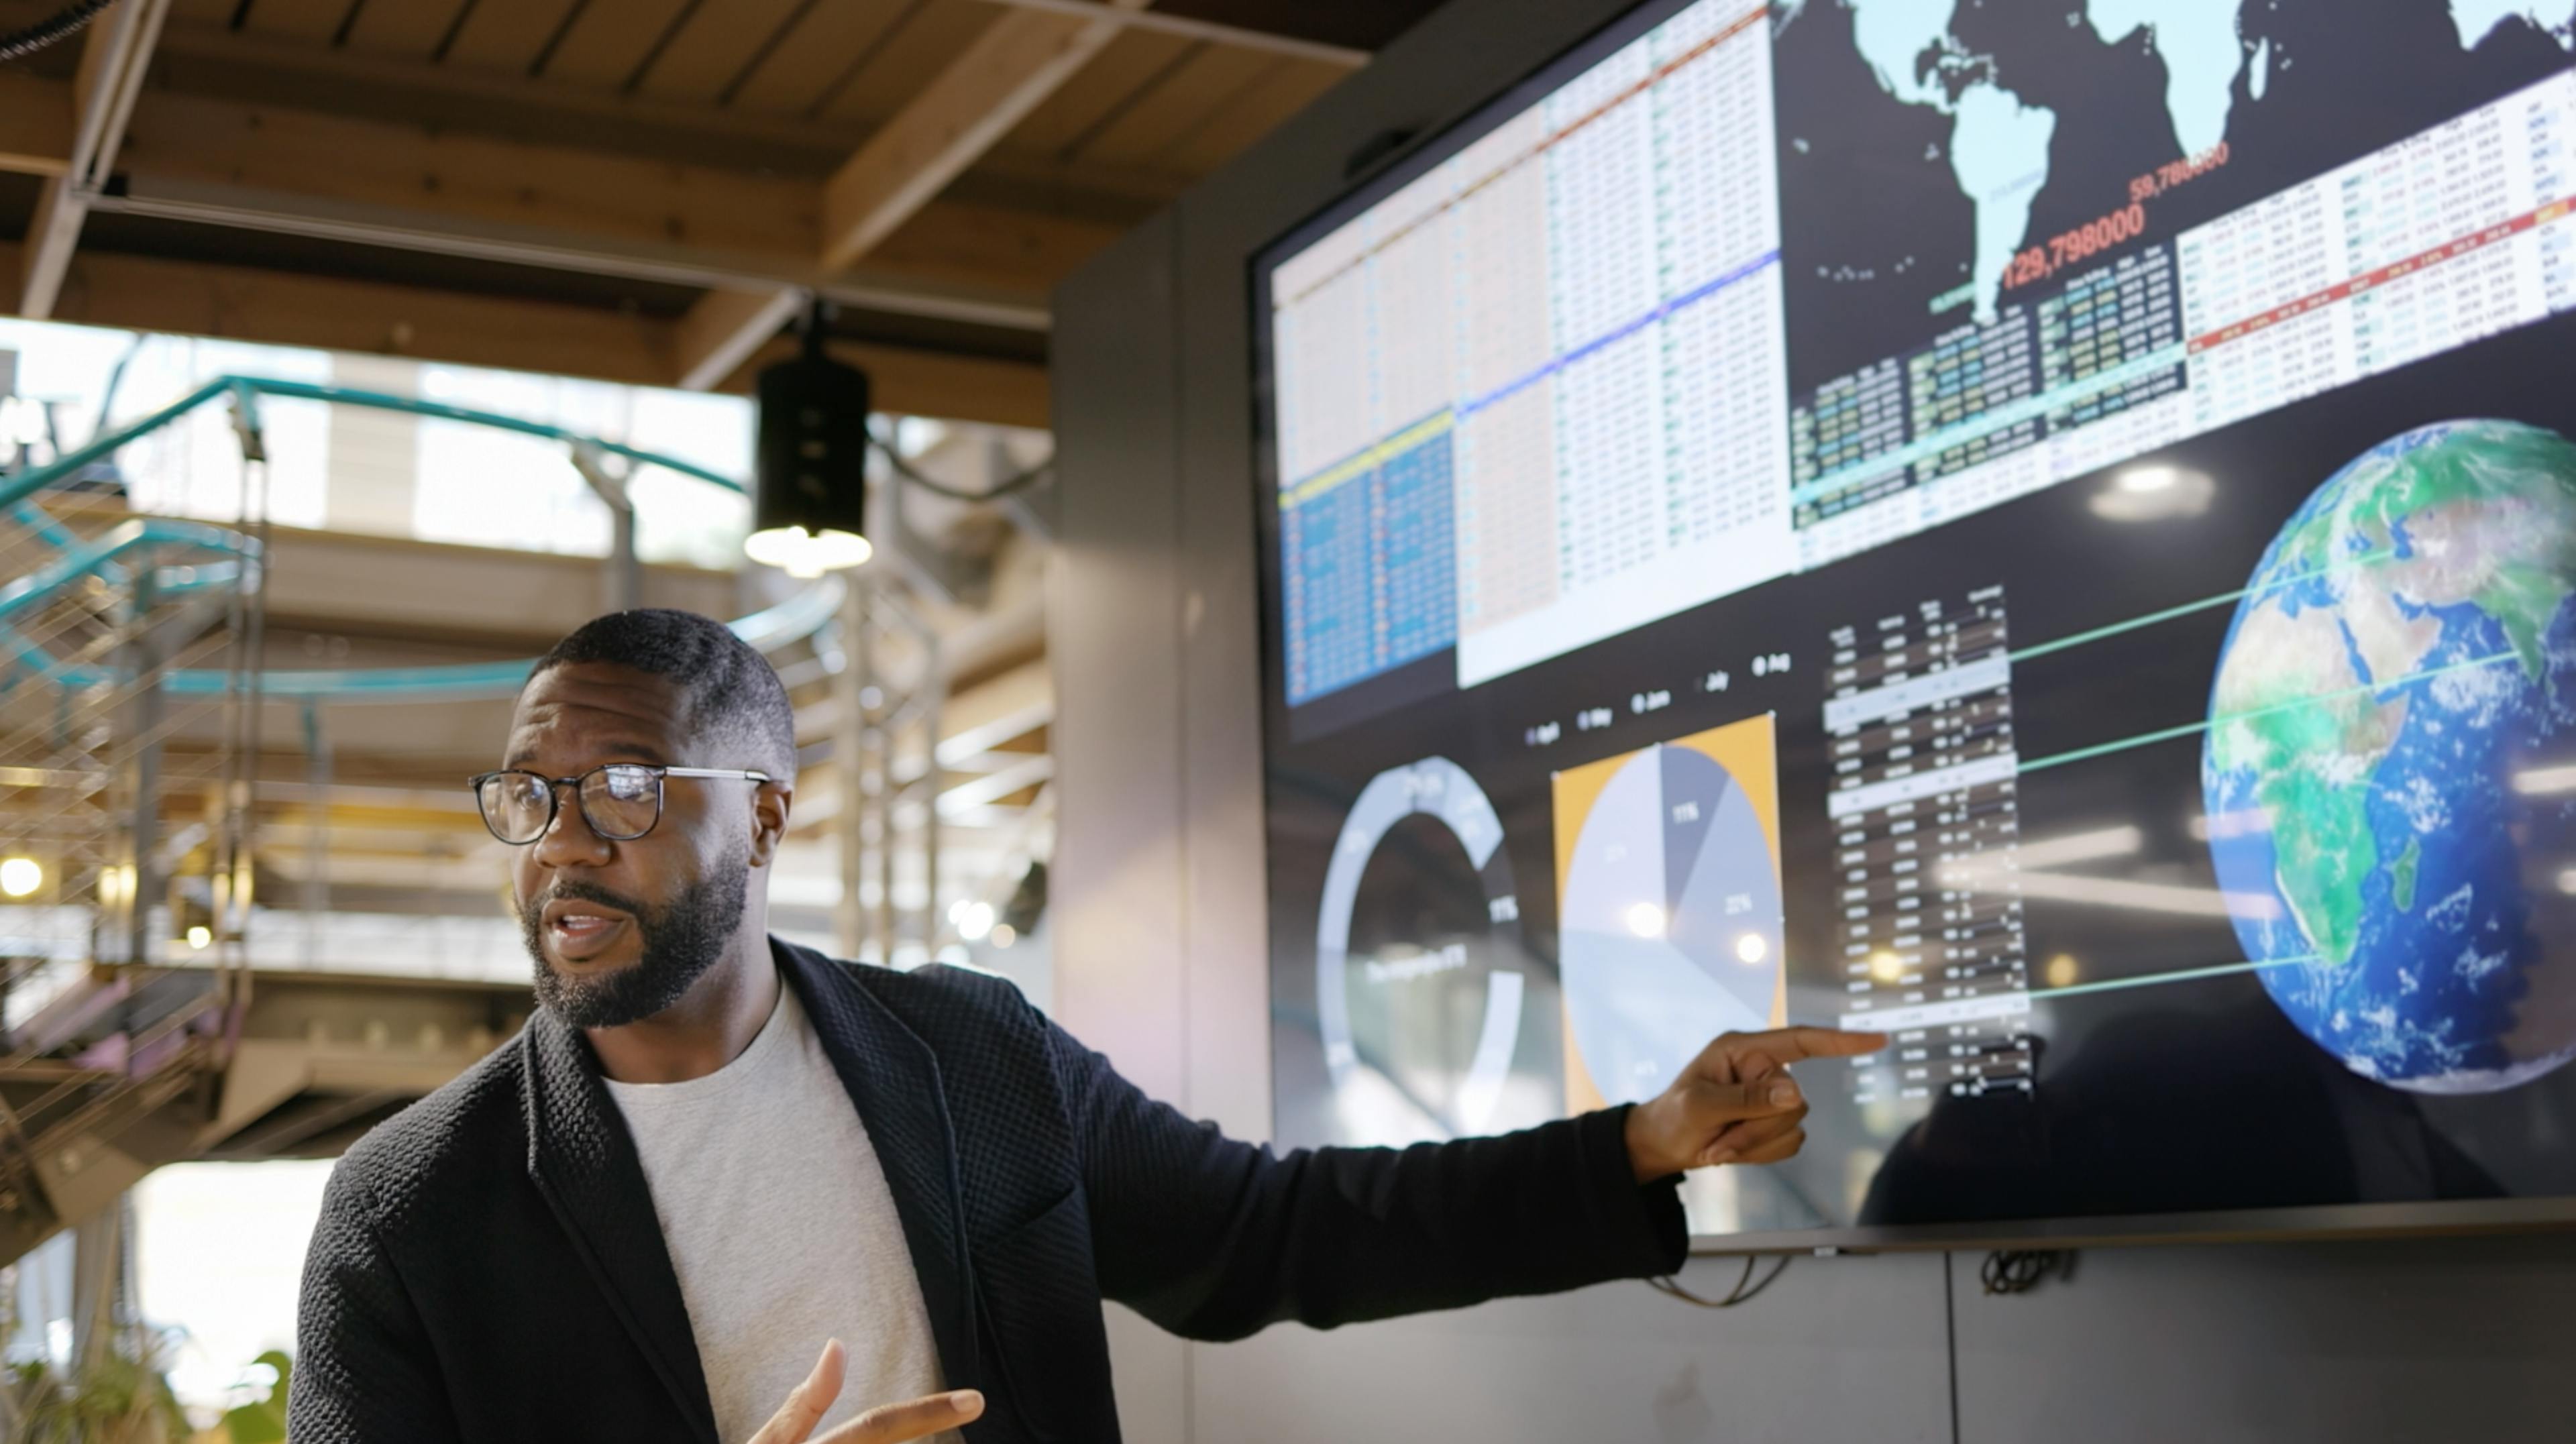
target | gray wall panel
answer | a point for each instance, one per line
(1229, 996)
(1114, 643)
(2433, 1340)
(1837, 1349)
(1115, 650)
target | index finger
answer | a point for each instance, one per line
(1788, 1045)
(912, 1419)
(807, 1402)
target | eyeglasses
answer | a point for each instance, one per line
(619, 800)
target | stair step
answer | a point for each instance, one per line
(61, 1021)
(86, 1023)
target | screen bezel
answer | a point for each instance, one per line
(1419, 155)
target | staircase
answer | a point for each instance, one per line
(122, 812)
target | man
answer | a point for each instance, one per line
(710, 1154)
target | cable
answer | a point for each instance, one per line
(2018, 1271)
(996, 492)
(814, 328)
(1671, 1288)
(62, 25)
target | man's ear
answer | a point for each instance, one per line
(770, 803)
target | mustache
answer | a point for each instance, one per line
(568, 890)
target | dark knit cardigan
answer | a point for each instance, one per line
(488, 1266)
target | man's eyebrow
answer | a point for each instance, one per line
(621, 751)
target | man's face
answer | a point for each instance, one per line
(620, 930)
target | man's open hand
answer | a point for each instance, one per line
(887, 1424)
(1735, 1103)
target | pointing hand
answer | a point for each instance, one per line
(1735, 1103)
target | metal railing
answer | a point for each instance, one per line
(796, 618)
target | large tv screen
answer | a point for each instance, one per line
(2044, 530)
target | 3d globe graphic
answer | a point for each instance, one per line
(2390, 770)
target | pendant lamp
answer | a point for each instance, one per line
(809, 489)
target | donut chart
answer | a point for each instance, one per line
(1437, 788)
(1668, 872)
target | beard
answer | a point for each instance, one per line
(680, 941)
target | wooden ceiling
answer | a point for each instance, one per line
(643, 190)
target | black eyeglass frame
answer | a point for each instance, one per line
(554, 795)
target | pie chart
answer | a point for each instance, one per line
(1669, 907)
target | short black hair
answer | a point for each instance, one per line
(729, 692)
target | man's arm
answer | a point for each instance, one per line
(1216, 1239)
(364, 1372)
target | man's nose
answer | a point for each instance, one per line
(568, 840)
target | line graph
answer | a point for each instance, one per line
(2181, 975)
(2043, 649)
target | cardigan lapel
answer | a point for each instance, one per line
(584, 1162)
(893, 1078)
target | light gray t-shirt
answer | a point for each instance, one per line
(780, 1226)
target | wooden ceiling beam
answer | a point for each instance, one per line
(35, 125)
(944, 247)
(220, 63)
(488, 178)
(725, 326)
(1005, 73)
(1268, 42)
(418, 187)
(214, 59)
(281, 308)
